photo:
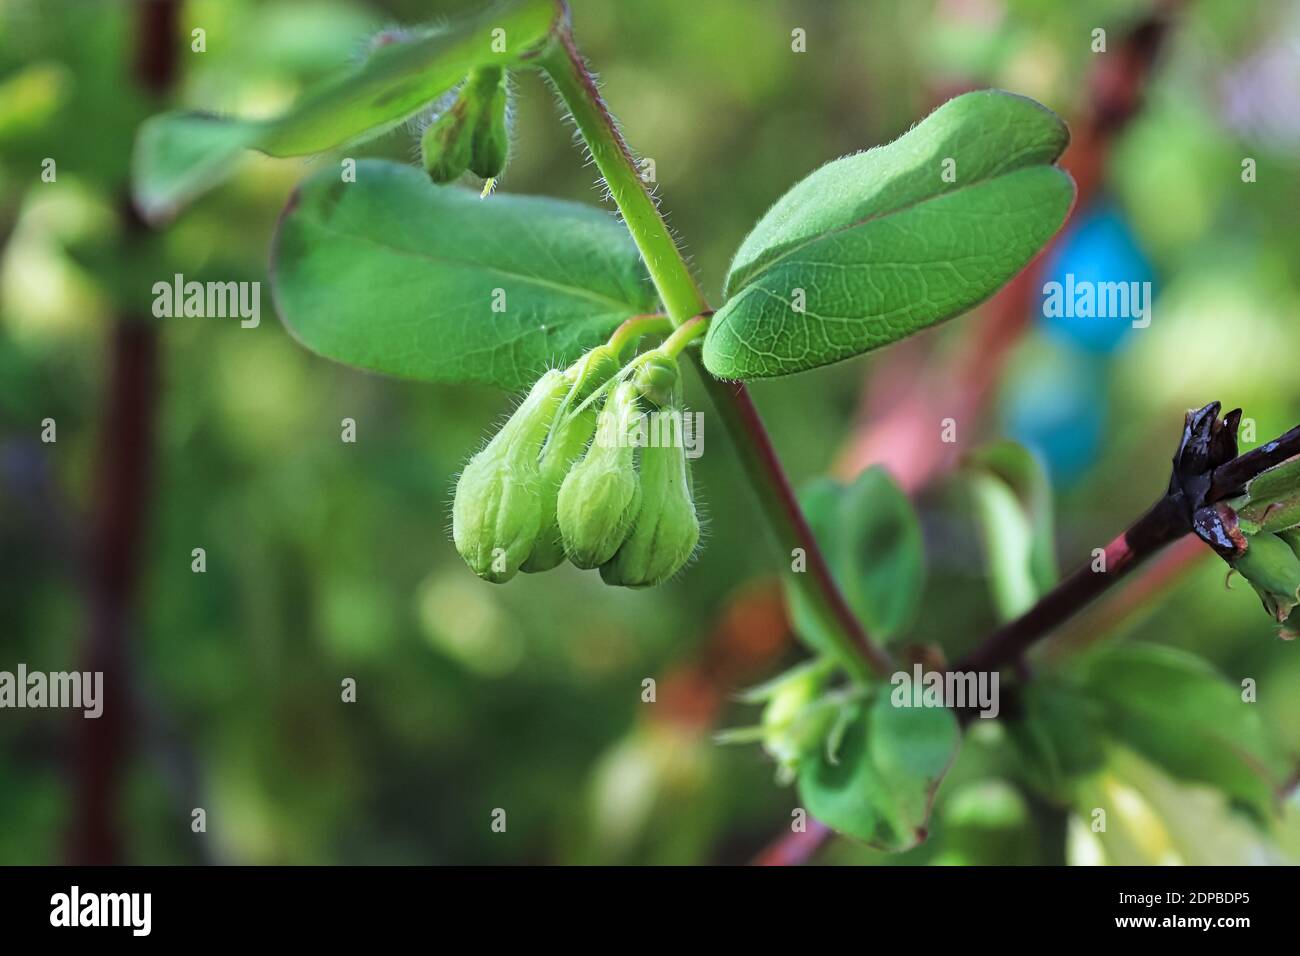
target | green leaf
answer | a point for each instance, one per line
(396, 275)
(871, 538)
(1013, 507)
(878, 245)
(1177, 711)
(1057, 733)
(887, 768)
(180, 155)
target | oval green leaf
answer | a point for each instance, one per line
(881, 783)
(874, 247)
(871, 538)
(396, 275)
(1177, 711)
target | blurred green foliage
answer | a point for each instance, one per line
(328, 560)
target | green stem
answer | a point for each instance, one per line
(686, 333)
(683, 300)
(638, 325)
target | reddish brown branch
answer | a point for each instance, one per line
(1166, 522)
(734, 404)
(102, 745)
(1163, 524)
(1165, 571)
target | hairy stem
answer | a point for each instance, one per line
(678, 291)
(683, 300)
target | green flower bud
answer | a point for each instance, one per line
(1271, 565)
(567, 442)
(797, 720)
(491, 141)
(497, 513)
(565, 447)
(445, 146)
(656, 378)
(666, 530)
(793, 726)
(601, 496)
(595, 369)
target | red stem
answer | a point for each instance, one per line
(733, 402)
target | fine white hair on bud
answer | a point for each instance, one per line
(599, 499)
(497, 514)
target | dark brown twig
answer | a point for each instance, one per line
(123, 480)
(1163, 524)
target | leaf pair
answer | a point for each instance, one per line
(866, 251)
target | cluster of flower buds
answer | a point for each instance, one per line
(471, 134)
(565, 478)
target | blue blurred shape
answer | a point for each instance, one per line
(1055, 404)
(1099, 268)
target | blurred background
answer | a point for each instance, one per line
(327, 561)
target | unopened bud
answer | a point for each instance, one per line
(595, 369)
(656, 378)
(446, 145)
(666, 530)
(795, 719)
(601, 495)
(566, 446)
(490, 146)
(1271, 565)
(496, 514)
